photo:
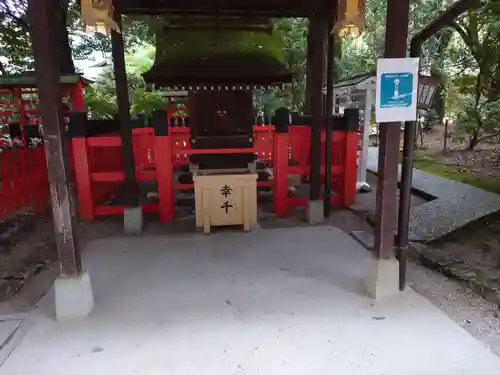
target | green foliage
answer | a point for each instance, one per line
(478, 84)
(293, 34)
(100, 100)
(100, 96)
(15, 41)
(143, 101)
(15, 46)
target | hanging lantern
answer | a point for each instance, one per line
(351, 17)
(97, 15)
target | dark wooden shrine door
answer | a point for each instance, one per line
(221, 113)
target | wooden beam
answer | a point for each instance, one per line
(240, 8)
(130, 187)
(47, 74)
(396, 37)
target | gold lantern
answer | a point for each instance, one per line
(351, 17)
(97, 15)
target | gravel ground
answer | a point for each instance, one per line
(477, 316)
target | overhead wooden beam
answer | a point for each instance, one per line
(53, 125)
(244, 8)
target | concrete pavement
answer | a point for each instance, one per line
(281, 301)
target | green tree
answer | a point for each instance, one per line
(100, 96)
(15, 42)
(293, 33)
(479, 31)
(72, 42)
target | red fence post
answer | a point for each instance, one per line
(77, 97)
(164, 167)
(351, 118)
(81, 165)
(280, 165)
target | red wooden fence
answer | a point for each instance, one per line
(99, 172)
(24, 182)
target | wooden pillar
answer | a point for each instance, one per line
(315, 22)
(47, 74)
(330, 81)
(317, 49)
(388, 158)
(309, 65)
(118, 51)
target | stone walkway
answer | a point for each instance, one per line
(455, 205)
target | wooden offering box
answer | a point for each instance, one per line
(225, 198)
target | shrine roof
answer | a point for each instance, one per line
(235, 72)
(218, 56)
(29, 79)
(269, 8)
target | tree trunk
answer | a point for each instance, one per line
(474, 140)
(59, 19)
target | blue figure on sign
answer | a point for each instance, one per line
(396, 90)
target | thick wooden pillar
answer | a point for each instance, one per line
(317, 50)
(130, 190)
(47, 74)
(388, 158)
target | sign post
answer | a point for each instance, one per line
(397, 90)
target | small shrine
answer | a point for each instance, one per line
(232, 58)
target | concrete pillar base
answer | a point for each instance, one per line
(73, 297)
(314, 212)
(132, 220)
(382, 277)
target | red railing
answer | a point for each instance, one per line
(99, 172)
(24, 182)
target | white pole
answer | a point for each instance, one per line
(361, 184)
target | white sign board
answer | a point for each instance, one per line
(397, 90)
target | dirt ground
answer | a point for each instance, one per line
(484, 159)
(480, 251)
